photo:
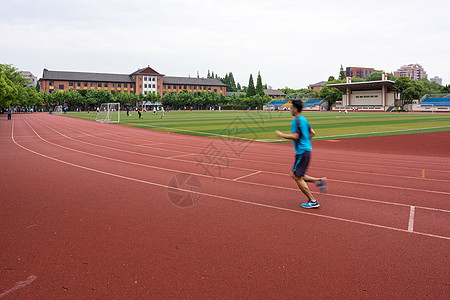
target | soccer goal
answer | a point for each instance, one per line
(58, 110)
(109, 113)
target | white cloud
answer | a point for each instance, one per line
(292, 43)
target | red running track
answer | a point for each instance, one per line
(93, 210)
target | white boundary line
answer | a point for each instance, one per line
(222, 197)
(274, 140)
(318, 160)
(201, 175)
(245, 176)
(246, 169)
(392, 131)
(411, 219)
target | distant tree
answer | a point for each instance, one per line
(331, 78)
(232, 83)
(301, 94)
(251, 91)
(341, 73)
(330, 94)
(198, 76)
(209, 75)
(259, 86)
(38, 87)
(377, 75)
(239, 88)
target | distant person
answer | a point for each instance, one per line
(301, 134)
(162, 113)
(139, 113)
(154, 110)
(128, 111)
(9, 113)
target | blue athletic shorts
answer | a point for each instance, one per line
(301, 163)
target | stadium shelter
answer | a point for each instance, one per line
(148, 106)
(368, 95)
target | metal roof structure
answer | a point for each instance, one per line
(192, 81)
(85, 76)
(364, 85)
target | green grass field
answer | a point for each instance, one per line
(259, 125)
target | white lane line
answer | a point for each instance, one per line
(319, 160)
(245, 169)
(182, 155)
(19, 285)
(411, 219)
(223, 197)
(242, 177)
(209, 176)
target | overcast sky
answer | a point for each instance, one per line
(292, 43)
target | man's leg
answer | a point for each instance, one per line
(304, 187)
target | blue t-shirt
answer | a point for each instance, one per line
(303, 143)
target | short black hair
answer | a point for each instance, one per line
(298, 104)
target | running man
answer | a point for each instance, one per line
(301, 134)
(162, 112)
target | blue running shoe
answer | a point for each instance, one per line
(310, 204)
(322, 184)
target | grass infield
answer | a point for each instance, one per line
(260, 125)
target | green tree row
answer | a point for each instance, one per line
(14, 90)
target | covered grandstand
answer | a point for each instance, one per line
(317, 104)
(432, 103)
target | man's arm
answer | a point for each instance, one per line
(312, 133)
(288, 136)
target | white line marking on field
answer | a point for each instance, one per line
(222, 197)
(242, 177)
(208, 176)
(19, 285)
(411, 219)
(352, 134)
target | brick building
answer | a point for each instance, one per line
(358, 72)
(412, 71)
(317, 86)
(145, 80)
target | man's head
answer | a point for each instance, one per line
(297, 106)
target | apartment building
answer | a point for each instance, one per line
(413, 71)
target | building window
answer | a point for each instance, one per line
(50, 83)
(61, 86)
(99, 84)
(78, 84)
(92, 84)
(112, 85)
(125, 85)
(140, 86)
(85, 84)
(70, 83)
(119, 85)
(106, 84)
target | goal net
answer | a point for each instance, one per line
(109, 113)
(58, 110)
